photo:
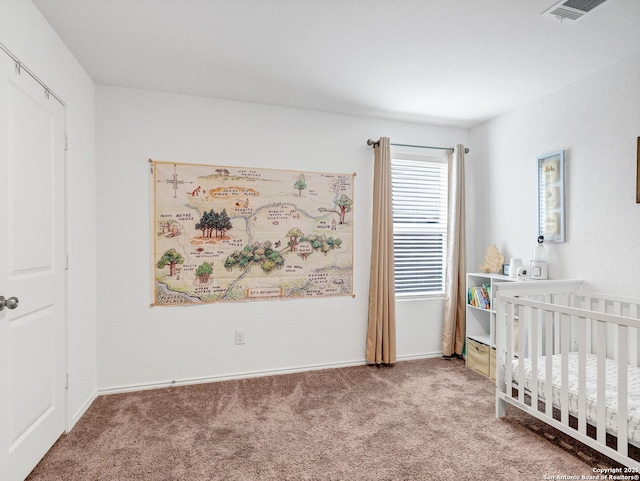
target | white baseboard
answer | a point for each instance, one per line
(246, 375)
(226, 377)
(83, 409)
(415, 357)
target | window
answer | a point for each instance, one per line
(419, 189)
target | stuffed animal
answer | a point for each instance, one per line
(493, 260)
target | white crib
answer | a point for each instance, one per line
(571, 358)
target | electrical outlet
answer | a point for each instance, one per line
(239, 336)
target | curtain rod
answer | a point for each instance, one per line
(376, 142)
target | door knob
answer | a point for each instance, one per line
(10, 303)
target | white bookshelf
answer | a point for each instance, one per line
(481, 324)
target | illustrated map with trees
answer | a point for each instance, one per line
(245, 234)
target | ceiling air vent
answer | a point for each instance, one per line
(572, 9)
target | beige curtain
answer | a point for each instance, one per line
(381, 335)
(455, 289)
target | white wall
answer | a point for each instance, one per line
(597, 122)
(24, 31)
(141, 345)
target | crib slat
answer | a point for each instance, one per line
(535, 316)
(616, 309)
(591, 327)
(509, 350)
(633, 337)
(623, 439)
(601, 382)
(556, 332)
(521, 330)
(582, 375)
(548, 392)
(564, 376)
(501, 361)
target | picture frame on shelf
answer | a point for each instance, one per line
(551, 203)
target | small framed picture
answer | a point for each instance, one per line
(505, 269)
(551, 211)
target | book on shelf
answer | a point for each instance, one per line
(480, 296)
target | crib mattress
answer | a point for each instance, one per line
(633, 385)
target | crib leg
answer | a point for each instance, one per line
(500, 407)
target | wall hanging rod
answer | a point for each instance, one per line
(376, 142)
(21, 67)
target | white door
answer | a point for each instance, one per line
(32, 269)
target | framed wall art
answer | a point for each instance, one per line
(551, 208)
(236, 234)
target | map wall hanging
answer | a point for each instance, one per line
(246, 234)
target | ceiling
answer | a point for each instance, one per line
(450, 62)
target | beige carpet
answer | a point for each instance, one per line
(430, 419)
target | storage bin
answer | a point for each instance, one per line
(478, 357)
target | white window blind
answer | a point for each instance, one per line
(419, 190)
